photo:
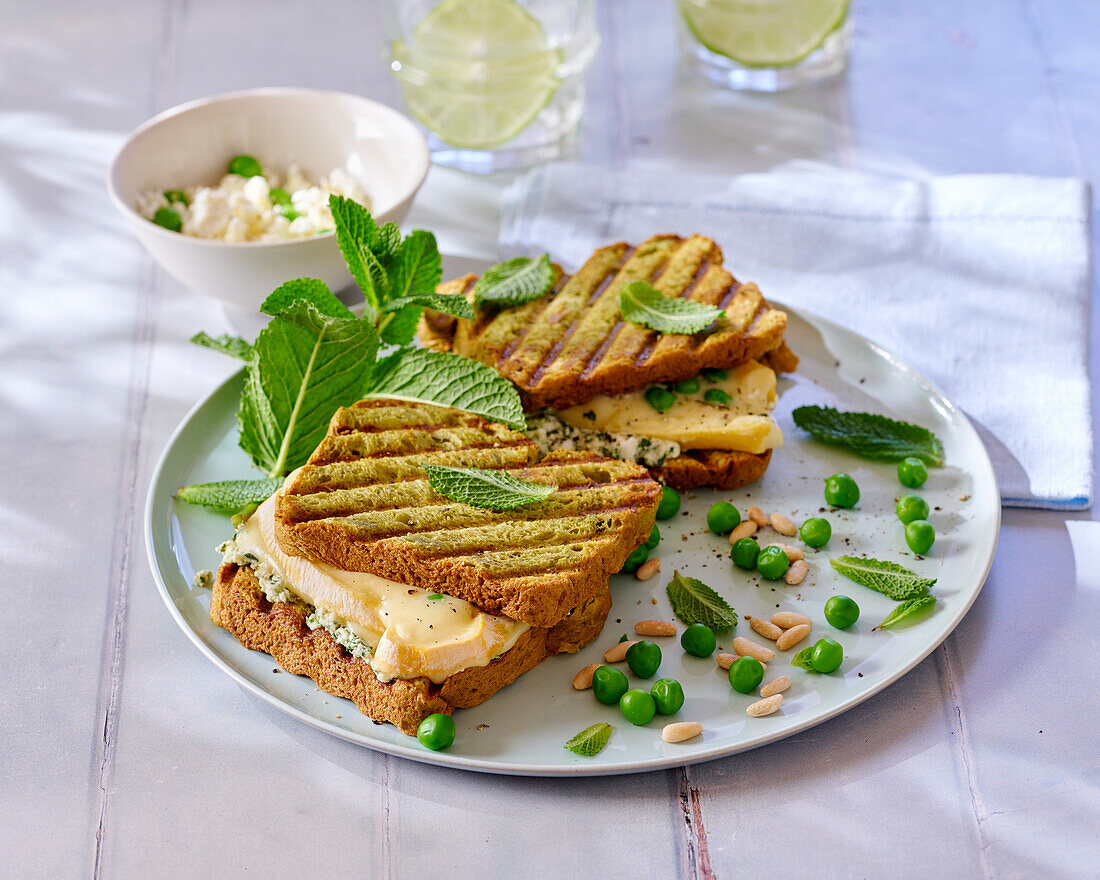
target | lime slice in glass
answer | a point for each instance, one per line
(763, 33)
(477, 72)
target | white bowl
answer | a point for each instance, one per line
(191, 145)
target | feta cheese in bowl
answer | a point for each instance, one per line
(237, 243)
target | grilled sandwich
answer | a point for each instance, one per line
(583, 372)
(359, 575)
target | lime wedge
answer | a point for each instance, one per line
(477, 72)
(763, 33)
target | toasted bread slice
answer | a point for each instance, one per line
(363, 503)
(280, 630)
(572, 344)
(717, 468)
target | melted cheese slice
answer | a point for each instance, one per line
(743, 426)
(411, 634)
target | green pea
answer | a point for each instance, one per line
(688, 386)
(637, 556)
(744, 553)
(772, 563)
(815, 532)
(912, 473)
(670, 503)
(279, 196)
(176, 195)
(717, 395)
(841, 611)
(841, 491)
(723, 518)
(644, 658)
(654, 539)
(827, 656)
(661, 399)
(920, 536)
(609, 684)
(911, 507)
(288, 212)
(668, 695)
(245, 166)
(169, 219)
(637, 707)
(436, 732)
(698, 640)
(713, 375)
(746, 673)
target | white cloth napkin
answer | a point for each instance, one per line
(980, 281)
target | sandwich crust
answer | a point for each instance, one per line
(719, 468)
(280, 629)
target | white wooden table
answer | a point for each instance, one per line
(126, 754)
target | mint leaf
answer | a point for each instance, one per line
(311, 290)
(484, 487)
(398, 325)
(888, 578)
(695, 602)
(447, 303)
(514, 282)
(801, 660)
(590, 741)
(642, 303)
(233, 346)
(907, 611)
(415, 267)
(446, 379)
(307, 365)
(869, 435)
(230, 496)
(367, 248)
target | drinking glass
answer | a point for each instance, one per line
(763, 45)
(496, 83)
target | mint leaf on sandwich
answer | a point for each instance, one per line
(642, 303)
(422, 376)
(484, 487)
(590, 741)
(233, 346)
(888, 578)
(514, 282)
(230, 496)
(908, 612)
(695, 602)
(869, 435)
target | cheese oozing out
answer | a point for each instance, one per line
(745, 425)
(411, 634)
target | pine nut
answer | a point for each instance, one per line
(766, 706)
(796, 573)
(776, 686)
(747, 648)
(655, 628)
(746, 530)
(679, 731)
(793, 553)
(783, 524)
(757, 516)
(793, 636)
(617, 653)
(582, 681)
(767, 630)
(726, 660)
(647, 569)
(787, 619)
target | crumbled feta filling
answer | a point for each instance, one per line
(340, 633)
(240, 208)
(549, 433)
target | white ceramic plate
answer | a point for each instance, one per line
(521, 730)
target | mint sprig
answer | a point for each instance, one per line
(642, 303)
(233, 346)
(908, 611)
(484, 487)
(695, 602)
(230, 496)
(869, 435)
(590, 741)
(514, 282)
(888, 578)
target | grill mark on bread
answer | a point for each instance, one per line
(539, 306)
